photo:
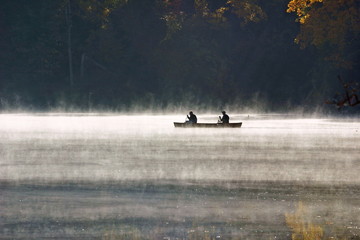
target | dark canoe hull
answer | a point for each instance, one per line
(208, 125)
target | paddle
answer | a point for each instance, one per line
(219, 121)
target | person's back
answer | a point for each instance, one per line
(192, 118)
(225, 118)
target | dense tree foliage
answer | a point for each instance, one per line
(330, 25)
(115, 54)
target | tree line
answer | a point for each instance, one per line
(117, 54)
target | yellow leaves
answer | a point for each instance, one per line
(221, 10)
(100, 9)
(218, 14)
(201, 7)
(106, 11)
(333, 24)
(246, 10)
(301, 7)
(303, 19)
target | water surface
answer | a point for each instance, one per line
(103, 176)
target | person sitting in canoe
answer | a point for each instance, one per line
(225, 118)
(192, 118)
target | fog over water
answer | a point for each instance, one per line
(92, 148)
(90, 176)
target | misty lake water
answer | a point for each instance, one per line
(137, 177)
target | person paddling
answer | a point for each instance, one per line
(192, 118)
(225, 118)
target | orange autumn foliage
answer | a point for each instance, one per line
(331, 24)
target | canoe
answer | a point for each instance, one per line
(207, 125)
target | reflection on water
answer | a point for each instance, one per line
(302, 229)
(304, 226)
(130, 177)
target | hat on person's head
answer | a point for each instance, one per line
(190, 112)
(223, 111)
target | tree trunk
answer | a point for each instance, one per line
(69, 26)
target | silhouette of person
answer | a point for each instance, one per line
(192, 118)
(225, 118)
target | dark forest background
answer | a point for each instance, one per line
(114, 55)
